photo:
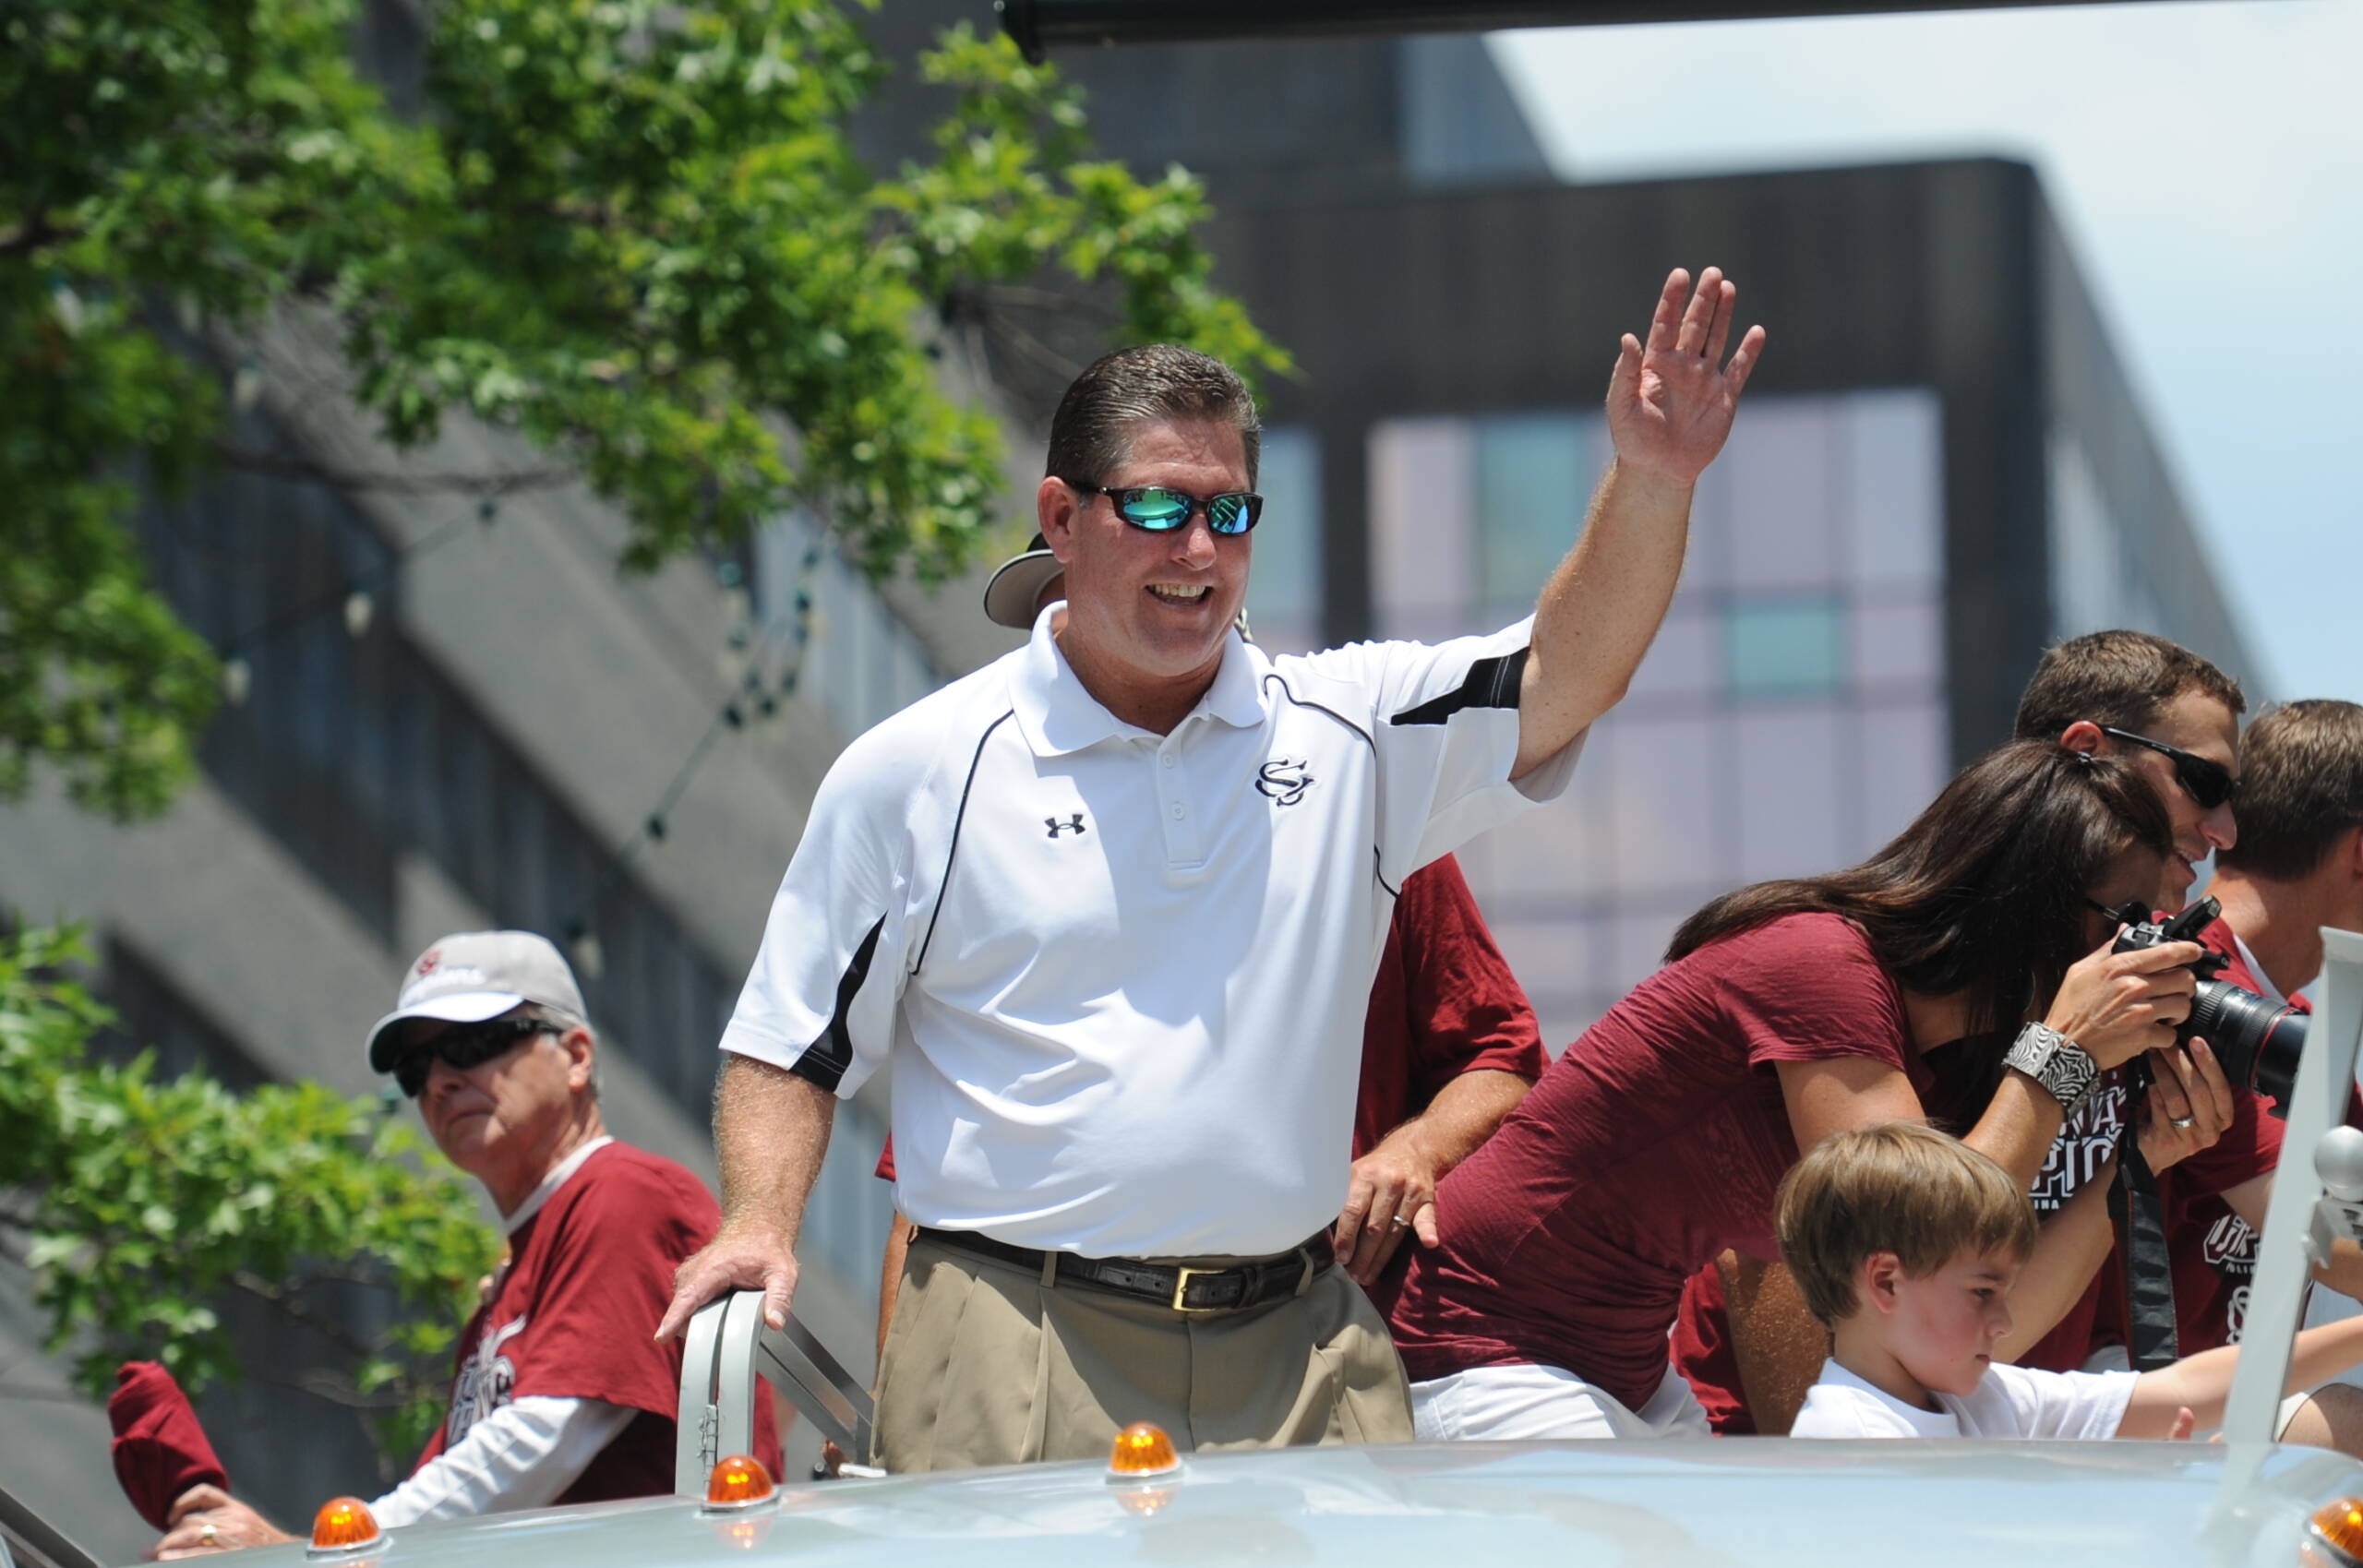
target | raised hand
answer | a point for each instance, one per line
(1671, 401)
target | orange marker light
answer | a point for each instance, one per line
(2340, 1527)
(1143, 1449)
(739, 1481)
(344, 1523)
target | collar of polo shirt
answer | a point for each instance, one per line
(1059, 715)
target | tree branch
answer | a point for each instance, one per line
(288, 465)
(290, 1304)
(29, 237)
(337, 1389)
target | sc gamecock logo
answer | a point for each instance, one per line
(2230, 1247)
(1283, 779)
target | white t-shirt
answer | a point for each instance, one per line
(2010, 1401)
(1124, 975)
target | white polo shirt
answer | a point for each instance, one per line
(1121, 976)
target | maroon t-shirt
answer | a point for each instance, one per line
(573, 1310)
(2213, 1249)
(1704, 1355)
(1654, 1143)
(1444, 1004)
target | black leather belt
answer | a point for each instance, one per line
(1183, 1287)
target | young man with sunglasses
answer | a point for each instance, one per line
(1112, 905)
(559, 1396)
(2298, 868)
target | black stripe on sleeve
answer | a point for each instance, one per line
(1491, 683)
(952, 851)
(824, 1061)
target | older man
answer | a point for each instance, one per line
(558, 1396)
(1113, 903)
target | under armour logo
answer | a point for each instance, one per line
(1072, 825)
(1283, 779)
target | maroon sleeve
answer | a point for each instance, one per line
(886, 1160)
(159, 1450)
(1466, 1012)
(1806, 988)
(605, 1280)
(1704, 1356)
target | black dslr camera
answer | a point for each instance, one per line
(2257, 1042)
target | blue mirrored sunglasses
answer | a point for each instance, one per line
(1160, 510)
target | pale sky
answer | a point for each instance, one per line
(2206, 160)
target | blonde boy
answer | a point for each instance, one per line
(1905, 1244)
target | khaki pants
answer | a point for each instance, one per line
(985, 1365)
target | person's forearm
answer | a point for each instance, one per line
(1778, 1345)
(2343, 1273)
(521, 1455)
(2203, 1383)
(771, 1129)
(1601, 609)
(1463, 1115)
(2067, 1253)
(2018, 1127)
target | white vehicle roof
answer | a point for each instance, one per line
(1766, 1503)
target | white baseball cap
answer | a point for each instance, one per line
(473, 975)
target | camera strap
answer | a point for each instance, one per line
(2140, 1215)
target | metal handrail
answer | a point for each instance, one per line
(727, 1348)
(2305, 1214)
(28, 1540)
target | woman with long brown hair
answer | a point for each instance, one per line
(1786, 1011)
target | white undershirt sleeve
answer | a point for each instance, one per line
(522, 1455)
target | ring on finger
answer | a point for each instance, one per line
(208, 1534)
(1401, 1223)
(2181, 1123)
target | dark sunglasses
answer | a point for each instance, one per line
(2209, 782)
(465, 1046)
(1160, 510)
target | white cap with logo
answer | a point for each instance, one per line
(473, 975)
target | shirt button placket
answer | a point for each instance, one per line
(1173, 802)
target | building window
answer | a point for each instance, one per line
(1787, 647)
(1534, 474)
(1790, 716)
(1284, 588)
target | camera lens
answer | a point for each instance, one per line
(2256, 1041)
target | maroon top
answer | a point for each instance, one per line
(572, 1312)
(1445, 1003)
(159, 1450)
(1657, 1141)
(2213, 1249)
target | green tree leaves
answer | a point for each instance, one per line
(635, 233)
